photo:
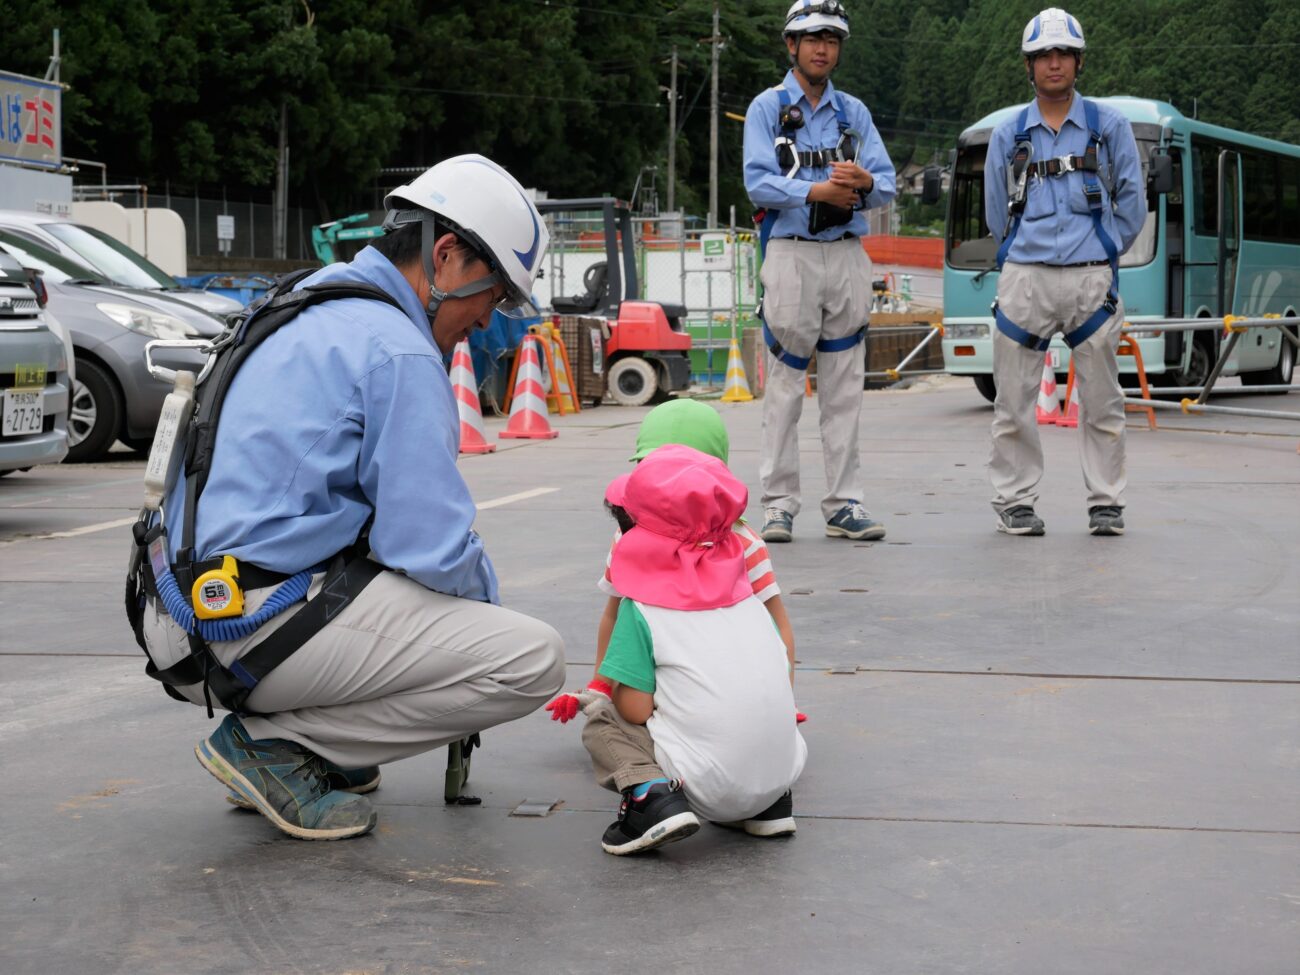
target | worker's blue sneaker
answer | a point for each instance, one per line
(358, 781)
(852, 521)
(778, 525)
(286, 782)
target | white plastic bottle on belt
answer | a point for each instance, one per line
(169, 440)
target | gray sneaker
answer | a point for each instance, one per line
(285, 782)
(1105, 519)
(1020, 520)
(358, 781)
(778, 525)
(852, 521)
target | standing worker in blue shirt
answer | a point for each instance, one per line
(339, 433)
(814, 162)
(1063, 192)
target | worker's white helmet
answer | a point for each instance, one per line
(815, 16)
(474, 198)
(1052, 29)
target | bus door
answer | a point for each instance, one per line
(1229, 263)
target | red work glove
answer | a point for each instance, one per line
(565, 707)
(800, 717)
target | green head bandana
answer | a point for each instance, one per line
(683, 421)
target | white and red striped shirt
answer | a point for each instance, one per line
(758, 564)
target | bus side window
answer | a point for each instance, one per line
(1290, 200)
(1260, 211)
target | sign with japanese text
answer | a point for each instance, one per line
(715, 250)
(31, 121)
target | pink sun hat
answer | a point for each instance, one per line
(682, 553)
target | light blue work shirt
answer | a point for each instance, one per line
(769, 187)
(345, 412)
(1057, 224)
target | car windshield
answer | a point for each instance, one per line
(118, 262)
(56, 268)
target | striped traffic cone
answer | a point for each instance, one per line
(473, 439)
(736, 389)
(1048, 408)
(1070, 418)
(528, 405)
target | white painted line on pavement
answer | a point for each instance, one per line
(511, 498)
(89, 529)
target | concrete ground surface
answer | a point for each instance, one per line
(1027, 755)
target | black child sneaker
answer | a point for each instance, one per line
(776, 820)
(661, 816)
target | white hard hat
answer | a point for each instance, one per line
(474, 198)
(1052, 29)
(814, 16)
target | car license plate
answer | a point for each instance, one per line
(24, 412)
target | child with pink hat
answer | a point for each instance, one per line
(699, 720)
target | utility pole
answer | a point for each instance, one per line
(280, 210)
(672, 133)
(713, 124)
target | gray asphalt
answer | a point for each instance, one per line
(1053, 755)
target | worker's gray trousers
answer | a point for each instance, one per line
(1045, 300)
(814, 290)
(400, 671)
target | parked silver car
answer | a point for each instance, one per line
(110, 257)
(113, 396)
(33, 378)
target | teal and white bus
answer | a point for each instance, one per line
(1222, 237)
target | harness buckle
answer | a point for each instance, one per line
(1065, 164)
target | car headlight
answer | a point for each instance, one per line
(966, 331)
(154, 324)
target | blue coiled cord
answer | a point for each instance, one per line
(232, 628)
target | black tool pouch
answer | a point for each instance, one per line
(823, 216)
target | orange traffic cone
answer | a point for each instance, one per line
(737, 385)
(473, 439)
(1071, 416)
(1048, 409)
(528, 404)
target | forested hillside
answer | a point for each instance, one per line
(572, 94)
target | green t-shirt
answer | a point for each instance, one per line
(630, 658)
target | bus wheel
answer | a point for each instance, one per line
(1199, 364)
(1280, 374)
(986, 387)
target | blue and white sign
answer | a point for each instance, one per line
(31, 121)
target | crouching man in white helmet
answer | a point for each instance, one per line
(814, 163)
(339, 433)
(1063, 192)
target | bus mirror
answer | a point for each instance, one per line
(1160, 178)
(931, 185)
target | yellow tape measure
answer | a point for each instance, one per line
(216, 594)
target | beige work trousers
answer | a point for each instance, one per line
(1045, 300)
(400, 671)
(814, 290)
(622, 753)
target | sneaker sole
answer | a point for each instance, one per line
(770, 827)
(775, 536)
(671, 830)
(236, 782)
(1005, 530)
(873, 534)
(239, 802)
(1105, 530)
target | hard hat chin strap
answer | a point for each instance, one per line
(428, 237)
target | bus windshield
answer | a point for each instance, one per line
(970, 243)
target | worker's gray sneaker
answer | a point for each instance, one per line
(1105, 519)
(852, 521)
(286, 782)
(358, 781)
(778, 525)
(1020, 520)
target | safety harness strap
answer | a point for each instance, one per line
(1088, 165)
(800, 363)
